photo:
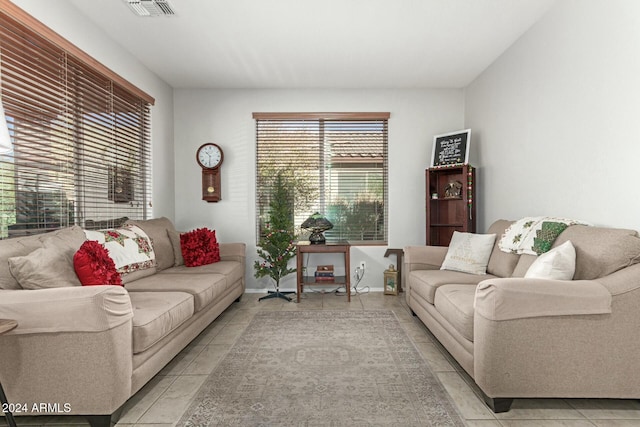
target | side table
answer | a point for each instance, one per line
(337, 247)
(5, 326)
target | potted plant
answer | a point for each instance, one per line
(277, 245)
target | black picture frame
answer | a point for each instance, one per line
(120, 185)
(451, 148)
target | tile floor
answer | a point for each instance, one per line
(163, 400)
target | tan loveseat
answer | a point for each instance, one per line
(535, 338)
(85, 350)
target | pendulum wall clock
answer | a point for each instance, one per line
(209, 156)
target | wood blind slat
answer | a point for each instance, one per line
(81, 142)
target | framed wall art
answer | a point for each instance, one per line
(120, 185)
(451, 148)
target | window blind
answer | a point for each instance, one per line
(81, 141)
(336, 164)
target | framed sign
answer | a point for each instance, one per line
(451, 148)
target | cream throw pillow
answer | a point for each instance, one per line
(469, 252)
(558, 264)
(50, 266)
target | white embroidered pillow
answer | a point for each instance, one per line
(558, 264)
(130, 248)
(469, 252)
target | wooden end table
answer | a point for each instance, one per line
(5, 326)
(337, 247)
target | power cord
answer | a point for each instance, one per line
(358, 276)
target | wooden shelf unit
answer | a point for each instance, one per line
(444, 215)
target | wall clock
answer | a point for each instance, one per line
(209, 156)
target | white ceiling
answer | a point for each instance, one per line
(319, 44)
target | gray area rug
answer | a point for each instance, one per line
(322, 368)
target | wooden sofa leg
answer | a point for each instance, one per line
(100, 421)
(238, 299)
(105, 420)
(499, 404)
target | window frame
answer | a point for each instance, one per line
(324, 118)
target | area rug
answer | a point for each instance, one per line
(322, 368)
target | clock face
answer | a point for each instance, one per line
(209, 156)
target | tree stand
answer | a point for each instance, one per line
(276, 294)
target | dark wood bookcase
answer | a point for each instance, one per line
(450, 202)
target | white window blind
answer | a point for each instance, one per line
(336, 164)
(81, 138)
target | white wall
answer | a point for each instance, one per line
(225, 117)
(70, 24)
(555, 118)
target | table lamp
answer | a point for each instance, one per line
(317, 224)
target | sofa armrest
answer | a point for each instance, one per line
(232, 251)
(72, 345)
(518, 298)
(421, 258)
(424, 257)
(69, 309)
(556, 354)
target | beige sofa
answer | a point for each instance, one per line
(85, 350)
(535, 338)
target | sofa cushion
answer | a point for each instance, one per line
(426, 282)
(156, 229)
(94, 266)
(523, 265)
(205, 288)
(601, 251)
(156, 314)
(501, 264)
(455, 303)
(232, 270)
(199, 247)
(558, 264)
(174, 236)
(50, 266)
(25, 245)
(130, 248)
(469, 252)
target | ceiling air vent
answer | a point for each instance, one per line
(151, 7)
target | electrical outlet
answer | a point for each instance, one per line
(363, 265)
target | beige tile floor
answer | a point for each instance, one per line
(163, 400)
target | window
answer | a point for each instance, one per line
(81, 135)
(336, 164)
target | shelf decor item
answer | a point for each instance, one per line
(453, 190)
(317, 224)
(324, 273)
(391, 281)
(451, 149)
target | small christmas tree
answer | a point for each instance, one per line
(276, 247)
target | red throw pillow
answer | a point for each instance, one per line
(199, 247)
(94, 266)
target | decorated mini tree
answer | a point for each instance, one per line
(276, 247)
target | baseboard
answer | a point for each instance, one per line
(327, 288)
